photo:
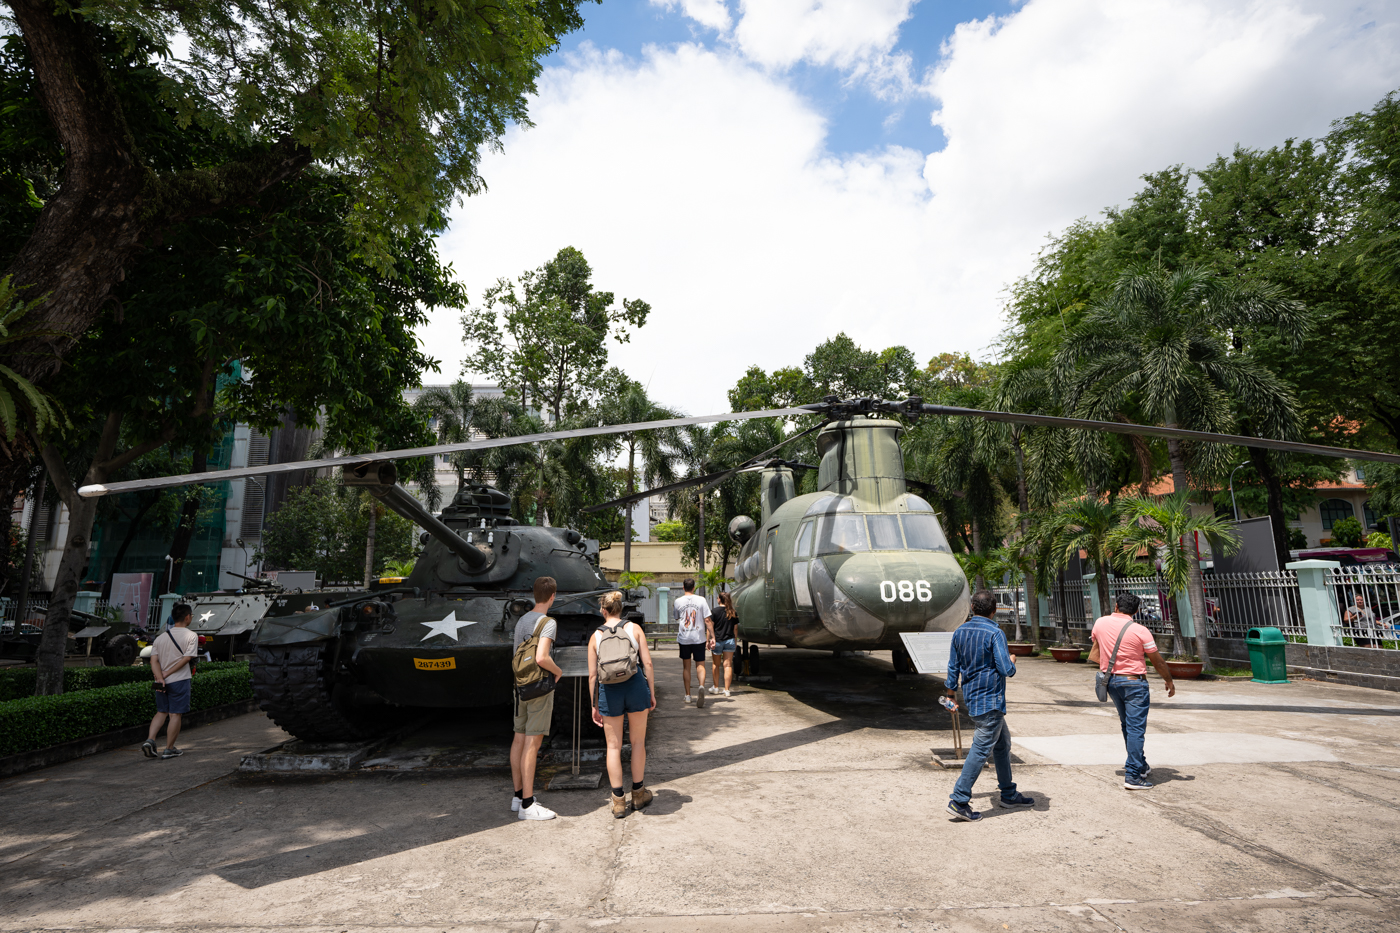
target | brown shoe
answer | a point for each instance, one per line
(619, 806)
(641, 797)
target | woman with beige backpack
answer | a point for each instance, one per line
(622, 683)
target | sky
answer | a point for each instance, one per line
(769, 173)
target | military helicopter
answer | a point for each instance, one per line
(847, 567)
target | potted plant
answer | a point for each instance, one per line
(1067, 654)
(1185, 667)
(1021, 649)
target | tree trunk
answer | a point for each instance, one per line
(627, 509)
(1195, 587)
(369, 544)
(979, 581)
(1064, 608)
(1023, 500)
(27, 571)
(1101, 584)
(184, 531)
(1273, 488)
(151, 500)
(701, 550)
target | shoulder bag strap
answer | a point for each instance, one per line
(1114, 658)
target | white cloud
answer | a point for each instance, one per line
(712, 14)
(843, 33)
(698, 180)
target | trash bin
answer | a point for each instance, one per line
(1266, 656)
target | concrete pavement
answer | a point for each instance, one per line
(803, 805)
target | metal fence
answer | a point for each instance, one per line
(1368, 605)
(38, 605)
(1238, 602)
(1073, 613)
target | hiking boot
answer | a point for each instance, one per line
(148, 748)
(619, 806)
(641, 797)
(963, 812)
(171, 752)
(1016, 801)
(536, 811)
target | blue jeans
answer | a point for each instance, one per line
(994, 739)
(1132, 697)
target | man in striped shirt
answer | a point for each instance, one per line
(980, 663)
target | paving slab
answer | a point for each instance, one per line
(804, 804)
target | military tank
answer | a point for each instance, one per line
(442, 639)
(227, 619)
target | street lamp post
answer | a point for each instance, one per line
(1234, 508)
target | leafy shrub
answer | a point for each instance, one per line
(19, 681)
(1346, 532)
(39, 722)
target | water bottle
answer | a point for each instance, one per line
(947, 703)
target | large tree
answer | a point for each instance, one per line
(398, 98)
(544, 339)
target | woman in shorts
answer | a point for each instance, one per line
(633, 698)
(722, 645)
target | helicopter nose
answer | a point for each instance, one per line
(876, 595)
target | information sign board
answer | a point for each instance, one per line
(928, 650)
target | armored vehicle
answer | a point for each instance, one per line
(227, 619)
(91, 635)
(441, 639)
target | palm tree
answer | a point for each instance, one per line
(1166, 343)
(976, 565)
(1166, 525)
(1016, 564)
(655, 447)
(1084, 524)
(696, 449)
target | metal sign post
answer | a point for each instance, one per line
(573, 664)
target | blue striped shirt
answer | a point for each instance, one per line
(980, 659)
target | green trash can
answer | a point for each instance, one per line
(1266, 656)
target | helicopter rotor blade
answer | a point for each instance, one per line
(355, 460)
(714, 479)
(1145, 430)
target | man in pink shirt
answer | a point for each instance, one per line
(1128, 685)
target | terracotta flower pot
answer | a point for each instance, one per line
(1066, 655)
(1185, 670)
(1021, 650)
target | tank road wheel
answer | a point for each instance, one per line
(296, 688)
(120, 651)
(561, 728)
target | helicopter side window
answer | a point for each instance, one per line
(838, 534)
(923, 534)
(804, 541)
(884, 533)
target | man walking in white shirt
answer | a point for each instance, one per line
(693, 632)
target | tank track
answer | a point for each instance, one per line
(292, 686)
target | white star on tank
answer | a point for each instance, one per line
(447, 626)
(207, 616)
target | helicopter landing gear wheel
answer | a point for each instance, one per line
(903, 664)
(751, 661)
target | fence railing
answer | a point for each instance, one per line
(38, 605)
(1368, 605)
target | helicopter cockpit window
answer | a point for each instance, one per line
(837, 534)
(843, 504)
(917, 504)
(821, 505)
(884, 533)
(923, 534)
(804, 541)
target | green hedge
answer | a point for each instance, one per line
(18, 682)
(39, 722)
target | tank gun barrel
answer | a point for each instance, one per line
(381, 481)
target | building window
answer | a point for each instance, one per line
(1333, 510)
(1371, 518)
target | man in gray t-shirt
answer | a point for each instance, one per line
(532, 717)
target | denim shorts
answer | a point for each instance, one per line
(633, 695)
(723, 647)
(175, 698)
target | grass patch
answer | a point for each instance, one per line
(1232, 672)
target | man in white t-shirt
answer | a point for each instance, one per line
(694, 630)
(171, 654)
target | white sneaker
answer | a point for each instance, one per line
(689, 698)
(537, 811)
(514, 804)
(726, 693)
(714, 691)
